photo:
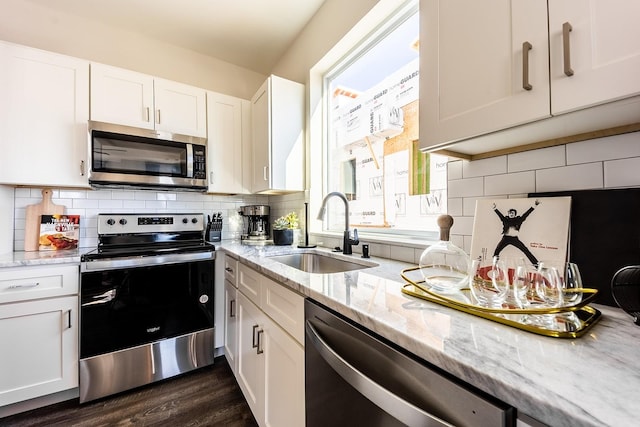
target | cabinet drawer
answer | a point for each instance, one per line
(249, 283)
(230, 269)
(25, 283)
(285, 307)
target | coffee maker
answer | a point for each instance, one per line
(256, 224)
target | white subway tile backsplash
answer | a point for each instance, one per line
(133, 205)
(469, 204)
(73, 194)
(520, 182)
(462, 225)
(484, 167)
(402, 253)
(609, 148)
(454, 170)
(466, 187)
(86, 204)
(576, 177)
(537, 159)
(454, 207)
(622, 173)
(109, 204)
(145, 195)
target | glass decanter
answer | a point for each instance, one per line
(444, 266)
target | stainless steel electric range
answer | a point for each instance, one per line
(146, 302)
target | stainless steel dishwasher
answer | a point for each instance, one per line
(354, 378)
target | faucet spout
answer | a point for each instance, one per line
(347, 241)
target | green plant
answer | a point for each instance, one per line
(289, 221)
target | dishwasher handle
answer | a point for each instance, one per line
(394, 405)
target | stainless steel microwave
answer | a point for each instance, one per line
(128, 157)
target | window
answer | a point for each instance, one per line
(371, 146)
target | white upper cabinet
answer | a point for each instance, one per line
(44, 110)
(121, 96)
(180, 108)
(277, 118)
(135, 99)
(595, 52)
(484, 67)
(499, 74)
(227, 142)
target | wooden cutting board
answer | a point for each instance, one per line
(32, 219)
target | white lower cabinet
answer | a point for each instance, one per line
(39, 348)
(231, 325)
(38, 332)
(270, 361)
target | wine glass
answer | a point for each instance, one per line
(568, 282)
(489, 282)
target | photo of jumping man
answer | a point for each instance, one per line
(511, 228)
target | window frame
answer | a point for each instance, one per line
(360, 47)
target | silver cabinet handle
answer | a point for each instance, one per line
(102, 298)
(566, 48)
(69, 319)
(148, 116)
(82, 172)
(24, 285)
(526, 47)
(253, 338)
(259, 349)
(394, 405)
(264, 173)
(229, 269)
(158, 116)
(232, 304)
(210, 177)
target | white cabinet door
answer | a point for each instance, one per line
(225, 143)
(44, 110)
(121, 96)
(284, 399)
(476, 73)
(277, 118)
(39, 348)
(231, 325)
(129, 98)
(250, 373)
(603, 57)
(180, 108)
(261, 130)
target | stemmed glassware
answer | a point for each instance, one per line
(489, 282)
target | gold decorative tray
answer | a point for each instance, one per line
(564, 322)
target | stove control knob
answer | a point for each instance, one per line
(123, 221)
(194, 220)
(185, 220)
(111, 221)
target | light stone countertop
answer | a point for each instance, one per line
(589, 381)
(22, 259)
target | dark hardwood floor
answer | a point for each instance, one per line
(209, 396)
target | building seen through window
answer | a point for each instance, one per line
(373, 136)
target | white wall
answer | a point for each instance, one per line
(28, 24)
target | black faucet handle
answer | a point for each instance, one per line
(355, 240)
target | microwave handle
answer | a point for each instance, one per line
(189, 160)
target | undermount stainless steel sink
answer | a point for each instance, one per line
(318, 263)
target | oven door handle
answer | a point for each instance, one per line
(103, 298)
(391, 403)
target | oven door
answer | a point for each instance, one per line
(124, 308)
